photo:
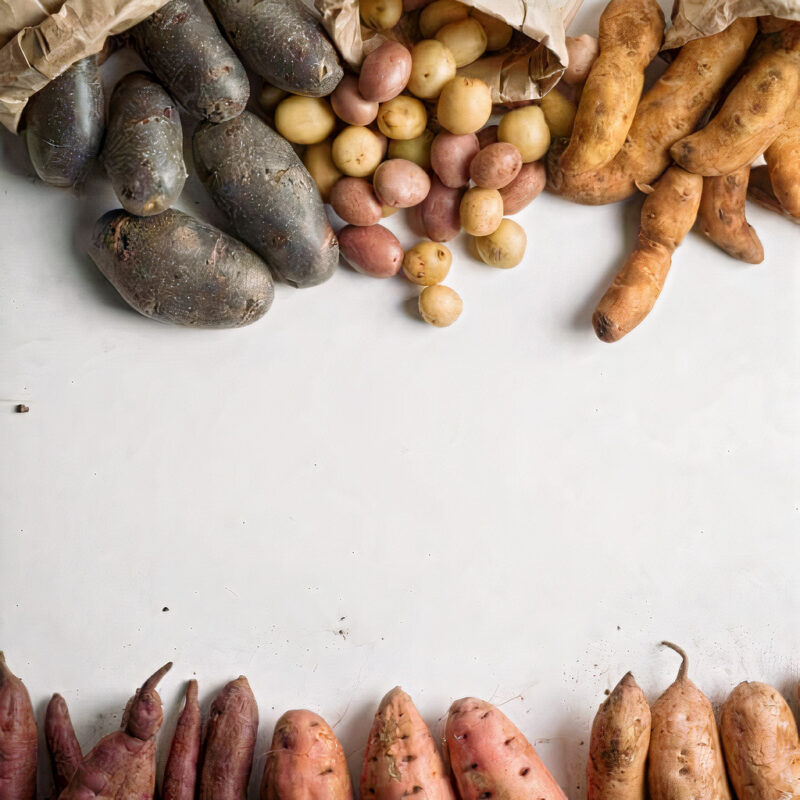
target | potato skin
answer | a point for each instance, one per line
(355, 201)
(525, 188)
(183, 47)
(177, 269)
(64, 124)
(143, 151)
(401, 183)
(62, 743)
(18, 745)
(373, 251)
(283, 42)
(496, 165)
(180, 772)
(451, 156)
(385, 72)
(439, 214)
(256, 178)
(783, 162)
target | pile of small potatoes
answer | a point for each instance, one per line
(410, 132)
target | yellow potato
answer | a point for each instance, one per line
(481, 211)
(498, 32)
(270, 96)
(559, 113)
(432, 66)
(427, 263)
(417, 149)
(440, 13)
(304, 120)
(505, 247)
(465, 39)
(357, 151)
(527, 129)
(402, 117)
(388, 211)
(380, 15)
(440, 306)
(319, 163)
(465, 105)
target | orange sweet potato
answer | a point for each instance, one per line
(62, 743)
(17, 738)
(180, 773)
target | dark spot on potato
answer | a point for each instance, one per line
(683, 771)
(484, 795)
(327, 771)
(485, 714)
(507, 742)
(473, 765)
(524, 771)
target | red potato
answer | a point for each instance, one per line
(17, 738)
(490, 758)
(451, 155)
(525, 188)
(373, 251)
(496, 165)
(414, 216)
(350, 106)
(385, 72)
(439, 213)
(400, 183)
(582, 51)
(62, 743)
(305, 761)
(355, 201)
(180, 773)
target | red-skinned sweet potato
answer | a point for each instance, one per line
(17, 738)
(180, 773)
(62, 743)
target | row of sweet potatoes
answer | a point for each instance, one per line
(672, 750)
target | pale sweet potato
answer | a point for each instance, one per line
(17, 738)
(761, 192)
(62, 743)
(180, 772)
(783, 162)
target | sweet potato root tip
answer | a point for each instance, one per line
(684, 667)
(180, 772)
(62, 744)
(144, 713)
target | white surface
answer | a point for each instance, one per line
(506, 508)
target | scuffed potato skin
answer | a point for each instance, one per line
(18, 745)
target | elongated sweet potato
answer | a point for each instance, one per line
(180, 772)
(177, 269)
(490, 758)
(618, 745)
(401, 758)
(685, 760)
(762, 748)
(257, 180)
(783, 161)
(305, 761)
(228, 743)
(64, 124)
(183, 46)
(122, 765)
(17, 738)
(760, 191)
(62, 743)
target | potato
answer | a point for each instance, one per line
(496, 165)
(413, 5)
(402, 117)
(465, 105)
(451, 156)
(373, 251)
(417, 150)
(380, 15)
(487, 136)
(400, 183)
(355, 201)
(498, 32)
(174, 268)
(481, 211)
(505, 247)
(304, 120)
(143, 151)
(319, 163)
(527, 129)
(388, 211)
(269, 97)
(439, 217)
(427, 263)
(350, 106)
(385, 72)
(582, 52)
(440, 13)
(559, 113)
(283, 42)
(183, 46)
(525, 188)
(18, 734)
(257, 180)
(465, 39)
(414, 220)
(357, 151)
(432, 66)
(439, 306)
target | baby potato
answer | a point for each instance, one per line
(439, 306)
(319, 163)
(465, 39)
(581, 52)
(505, 247)
(481, 211)
(440, 13)
(270, 96)
(304, 120)
(401, 183)
(527, 129)
(438, 213)
(373, 251)
(432, 66)
(427, 263)
(498, 32)
(559, 113)
(385, 72)
(525, 188)
(350, 106)
(380, 15)
(496, 165)
(402, 117)
(354, 200)
(357, 151)
(465, 105)
(451, 156)
(417, 149)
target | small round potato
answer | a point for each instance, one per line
(465, 39)
(402, 117)
(439, 306)
(527, 129)
(270, 96)
(385, 72)
(505, 247)
(498, 32)
(357, 151)
(373, 251)
(432, 66)
(427, 263)
(496, 165)
(525, 188)
(465, 105)
(304, 120)
(582, 52)
(354, 200)
(440, 13)
(319, 163)
(451, 155)
(401, 183)
(380, 15)
(417, 150)
(481, 211)
(350, 106)
(559, 113)
(439, 212)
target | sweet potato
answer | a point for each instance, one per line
(174, 268)
(721, 216)
(618, 745)
(783, 161)
(228, 743)
(401, 758)
(762, 748)
(305, 761)
(630, 34)
(62, 743)
(667, 216)
(122, 765)
(17, 738)
(490, 758)
(760, 191)
(685, 759)
(64, 124)
(180, 772)
(750, 118)
(183, 46)
(257, 180)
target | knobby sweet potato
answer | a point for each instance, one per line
(180, 772)
(62, 743)
(760, 191)
(17, 738)
(783, 162)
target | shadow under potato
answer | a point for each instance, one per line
(15, 155)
